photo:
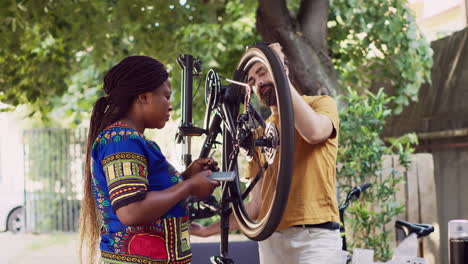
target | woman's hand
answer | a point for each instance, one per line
(200, 165)
(202, 186)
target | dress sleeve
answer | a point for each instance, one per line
(125, 166)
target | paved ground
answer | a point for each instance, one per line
(30, 248)
(58, 248)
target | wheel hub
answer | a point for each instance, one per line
(272, 135)
(247, 144)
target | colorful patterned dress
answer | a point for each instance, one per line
(125, 166)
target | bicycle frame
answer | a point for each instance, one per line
(225, 115)
(352, 195)
(191, 67)
(402, 228)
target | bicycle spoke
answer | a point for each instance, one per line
(257, 117)
(228, 121)
(255, 180)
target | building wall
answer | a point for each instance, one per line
(451, 168)
(437, 18)
(11, 167)
(440, 120)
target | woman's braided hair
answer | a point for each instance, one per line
(132, 76)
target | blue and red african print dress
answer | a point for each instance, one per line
(126, 165)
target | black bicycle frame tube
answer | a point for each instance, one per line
(343, 231)
(254, 181)
(351, 196)
(186, 63)
(225, 212)
(211, 138)
(225, 209)
(341, 210)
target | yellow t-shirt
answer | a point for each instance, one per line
(312, 197)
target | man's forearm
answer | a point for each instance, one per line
(215, 228)
(312, 126)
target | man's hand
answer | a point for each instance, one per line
(199, 230)
(279, 51)
(200, 165)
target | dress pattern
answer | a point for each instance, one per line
(125, 166)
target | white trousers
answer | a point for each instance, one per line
(300, 245)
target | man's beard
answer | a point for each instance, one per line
(268, 97)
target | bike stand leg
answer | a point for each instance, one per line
(224, 247)
(221, 260)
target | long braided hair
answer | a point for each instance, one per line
(132, 76)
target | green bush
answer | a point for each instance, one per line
(360, 156)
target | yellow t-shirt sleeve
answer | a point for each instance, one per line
(252, 168)
(325, 105)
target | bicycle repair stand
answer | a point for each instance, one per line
(192, 67)
(225, 212)
(208, 207)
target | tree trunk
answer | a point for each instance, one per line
(304, 42)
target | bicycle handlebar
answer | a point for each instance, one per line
(356, 192)
(421, 230)
(353, 195)
(364, 186)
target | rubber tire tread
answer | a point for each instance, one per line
(269, 225)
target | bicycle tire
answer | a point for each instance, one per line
(261, 228)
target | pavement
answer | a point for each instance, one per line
(57, 248)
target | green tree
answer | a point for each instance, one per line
(53, 54)
(52, 48)
(369, 44)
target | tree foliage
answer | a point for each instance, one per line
(377, 44)
(371, 44)
(53, 53)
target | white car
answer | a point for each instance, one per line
(11, 211)
(11, 174)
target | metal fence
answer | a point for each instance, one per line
(54, 163)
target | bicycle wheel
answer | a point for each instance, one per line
(262, 149)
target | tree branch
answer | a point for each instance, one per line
(311, 70)
(272, 18)
(313, 18)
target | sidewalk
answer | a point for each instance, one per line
(56, 248)
(32, 249)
